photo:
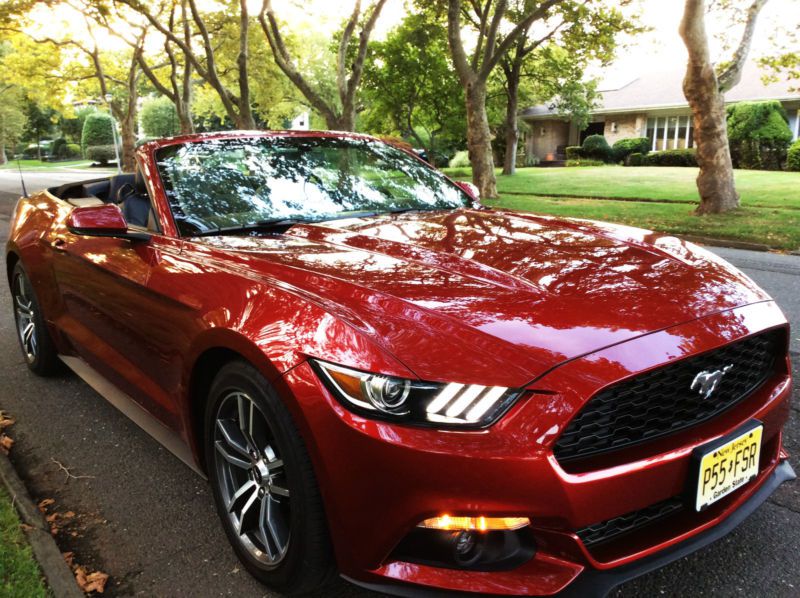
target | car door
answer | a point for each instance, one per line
(115, 316)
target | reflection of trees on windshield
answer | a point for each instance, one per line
(230, 182)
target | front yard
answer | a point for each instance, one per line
(770, 212)
(19, 573)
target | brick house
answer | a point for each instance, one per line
(651, 105)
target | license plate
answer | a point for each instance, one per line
(727, 464)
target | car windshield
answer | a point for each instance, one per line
(239, 183)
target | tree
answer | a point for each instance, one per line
(12, 116)
(489, 18)
(237, 104)
(160, 118)
(38, 123)
(339, 115)
(705, 91)
(177, 87)
(410, 86)
(550, 68)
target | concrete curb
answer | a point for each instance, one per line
(726, 243)
(52, 563)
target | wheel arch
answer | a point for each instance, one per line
(12, 258)
(219, 348)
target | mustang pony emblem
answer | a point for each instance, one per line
(706, 382)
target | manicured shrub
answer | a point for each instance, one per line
(635, 159)
(674, 157)
(460, 160)
(59, 148)
(793, 157)
(596, 147)
(102, 154)
(159, 118)
(632, 145)
(72, 151)
(585, 162)
(97, 130)
(759, 135)
(573, 152)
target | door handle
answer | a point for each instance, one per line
(58, 244)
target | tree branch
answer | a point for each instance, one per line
(733, 73)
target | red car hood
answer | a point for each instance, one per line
(502, 295)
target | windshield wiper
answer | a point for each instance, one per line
(250, 227)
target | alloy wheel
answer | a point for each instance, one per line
(252, 478)
(25, 313)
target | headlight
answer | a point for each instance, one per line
(415, 402)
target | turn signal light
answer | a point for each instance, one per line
(480, 524)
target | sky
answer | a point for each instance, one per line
(638, 53)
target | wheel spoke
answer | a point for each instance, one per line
(275, 466)
(232, 459)
(249, 485)
(233, 437)
(246, 508)
(279, 491)
(262, 527)
(273, 524)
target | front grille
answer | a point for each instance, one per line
(661, 402)
(604, 531)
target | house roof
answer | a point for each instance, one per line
(662, 87)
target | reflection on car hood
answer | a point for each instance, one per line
(514, 293)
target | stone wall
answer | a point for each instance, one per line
(545, 137)
(627, 125)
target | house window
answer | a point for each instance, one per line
(669, 132)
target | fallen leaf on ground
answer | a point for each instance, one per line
(68, 556)
(90, 582)
(43, 504)
(6, 443)
(5, 421)
(51, 518)
(68, 515)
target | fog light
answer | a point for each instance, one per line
(480, 524)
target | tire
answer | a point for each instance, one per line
(34, 338)
(243, 413)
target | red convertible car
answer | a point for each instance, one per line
(383, 378)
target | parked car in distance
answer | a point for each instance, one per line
(385, 379)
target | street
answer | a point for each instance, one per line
(149, 522)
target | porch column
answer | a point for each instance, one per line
(688, 126)
(655, 134)
(797, 125)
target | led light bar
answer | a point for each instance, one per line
(464, 403)
(480, 524)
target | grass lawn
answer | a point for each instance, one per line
(779, 229)
(19, 574)
(770, 212)
(37, 165)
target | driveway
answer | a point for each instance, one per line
(149, 522)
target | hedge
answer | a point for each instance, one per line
(635, 159)
(793, 157)
(97, 130)
(585, 162)
(759, 134)
(101, 153)
(596, 147)
(72, 150)
(632, 145)
(573, 152)
(673, 157)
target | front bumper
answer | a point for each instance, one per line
(594, 582)
(379, 480)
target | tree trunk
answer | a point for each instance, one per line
(715, 181)
(701, 88)
(185, 120)
(3, 158)
(479, 140)
(128, 135)
(511, 129)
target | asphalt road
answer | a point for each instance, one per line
(148, 521)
